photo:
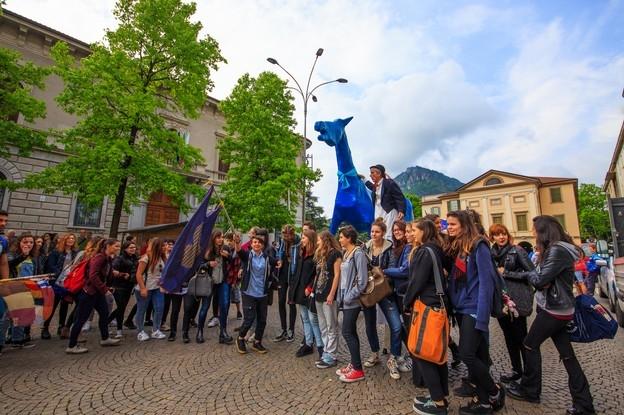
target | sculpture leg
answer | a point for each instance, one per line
(335, 222)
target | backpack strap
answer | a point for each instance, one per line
(437, 277)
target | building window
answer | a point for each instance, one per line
(435, 210)
(86, 217)
(452, 205)
(521, 222)
(555, 195)
(561, 220)
(497, 219)
(473, 204)
(2, 192)
(519, 199)
(496, 201)
(223, 167)
(492, 181)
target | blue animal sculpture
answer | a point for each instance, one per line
(353, 200)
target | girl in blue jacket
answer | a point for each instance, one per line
(471, 291)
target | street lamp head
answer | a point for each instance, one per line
(342, 80)
(273, 61)
(319, 52)
(314, 98)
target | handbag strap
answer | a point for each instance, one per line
(436, 275)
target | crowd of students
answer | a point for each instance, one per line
(319, 276)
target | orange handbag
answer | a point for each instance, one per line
(429, 329)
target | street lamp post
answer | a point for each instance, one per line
(306, 95)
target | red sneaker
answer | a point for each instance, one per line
(352, 376)
(344, 370)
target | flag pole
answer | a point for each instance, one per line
(222, 203)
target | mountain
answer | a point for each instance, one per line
(422, 182)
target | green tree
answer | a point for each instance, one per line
(314, 212)
(416, 204)
(17, 81)
(593, 212)
(154, 63)
(260, 144)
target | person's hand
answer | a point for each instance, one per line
(501, 270)
(116, 273)
(213, 264)
(225, 253)
(143, 292)
(400, 216)
(330, 299)
(125, 275)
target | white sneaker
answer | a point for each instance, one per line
(158, 335)
(86, 326)
(143, 336)
(404, 364)
(213, 322)
(393, 368)
(119, 335)
(76, 350)
(110, 342)
(372, 360)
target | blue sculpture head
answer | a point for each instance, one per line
(332, 132)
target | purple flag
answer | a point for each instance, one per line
(189, 249)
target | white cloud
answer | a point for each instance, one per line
(554, 99)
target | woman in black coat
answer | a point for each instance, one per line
(123, 283)
(553, 279)
(300, 288)
(514, 265)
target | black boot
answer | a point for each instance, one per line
(225, 338)
(172, 336)
(185, 336)
(45, 334)
(199, 338)
(455, 352)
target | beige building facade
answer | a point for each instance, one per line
(513, 200)
(30, 210)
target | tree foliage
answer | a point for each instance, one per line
(264, 180)
(152, 65)
(17, 81)
(416, 204)
(315, 213)
(593, 212)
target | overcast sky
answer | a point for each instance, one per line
(457, 86)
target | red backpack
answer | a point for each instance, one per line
(75, 279)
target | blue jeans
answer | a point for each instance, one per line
(391, 311)
(311, 328)
(224, 303)
(158, 303)
(190, 308)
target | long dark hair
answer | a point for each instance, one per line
(105, 244)
(549, 231)
(397, 245)
(17, 247)
(431, 234)
(310, 248)
(213, 250)
(462, 244)
(327, 245)
(155, 253)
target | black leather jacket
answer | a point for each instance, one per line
(554, 277)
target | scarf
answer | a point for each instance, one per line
(499, 253)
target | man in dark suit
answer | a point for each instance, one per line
(388, 199)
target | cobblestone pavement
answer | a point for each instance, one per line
(167, 378)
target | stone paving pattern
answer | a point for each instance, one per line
(160, 377)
